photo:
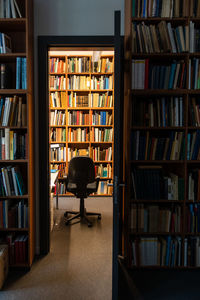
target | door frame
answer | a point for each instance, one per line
(44, 43)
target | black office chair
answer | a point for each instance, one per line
(81, 182)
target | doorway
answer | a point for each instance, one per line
(81, 123)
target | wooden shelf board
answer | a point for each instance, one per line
(101, 108)
(78, 142)
(57, 126)
(101, 142)
(159, 128)
(57, 108)
(158, 55)
(109, 126)
(78, 73)
(12, 91)
(13, 24)
(11, 57)
(14, 127)
(92, 195)
(157, 161)
(103, 162)
(106, 90)
(69, 90)
(60, 142)
(78, 108)
(77, 126)
(154, 233)
(157, 201)
(151, 92)
(159, 19)
(58, 162)
(14, 197)
(15, 161)
(14, 229)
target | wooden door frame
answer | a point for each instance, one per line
(44, 43)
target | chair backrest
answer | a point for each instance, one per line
(81, 170)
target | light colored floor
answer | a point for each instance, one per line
(79, 265)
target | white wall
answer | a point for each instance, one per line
(70, 17)
(76, 17)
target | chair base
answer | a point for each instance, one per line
(82, 215)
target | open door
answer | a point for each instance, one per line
(118, 152)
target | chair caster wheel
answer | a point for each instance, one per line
(89, 224)
(67, 223)
(99, 217)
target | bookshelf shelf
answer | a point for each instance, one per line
(12, 92)
(14, 197)
(14, 161)
(17, 176)
(83, 90)
(152, 46)
(14, 229)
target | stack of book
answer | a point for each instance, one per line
(11, 182)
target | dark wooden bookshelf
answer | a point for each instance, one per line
(20, 30)
(132, 205)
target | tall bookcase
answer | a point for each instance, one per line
(161, 204)
(81, 114)
(16, 139)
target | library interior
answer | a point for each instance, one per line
(99, 149)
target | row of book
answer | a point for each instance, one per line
(102, 118)
(58, 134)
(147, 75)
(158, 112)
(17, 248)
(73, 152)
(60, 188)
(21, 78)
(194, 74)
(5, 43)
(193, 145)
(103, 171)
(102, 154)
(75, 100)
(164, 38)
(102, 83)
(102, 135)
(11, 182)
(103, 65)
(165, 8)
(61, 167)
(154, 218)
(148, 146)
(9, 9)
(57, 65)
(78, 82)
(57, 82)
(103, 188)
(57, 117)
(101, 100)
(78, 64)
(57, 152)
(13, 215)
(58, 99)
(13, 145)
(13, 112)
(194, 111)
(78, 135)
(165, 251)
(193, 218)
(158, 185)
(78, 117)
(194, 185)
